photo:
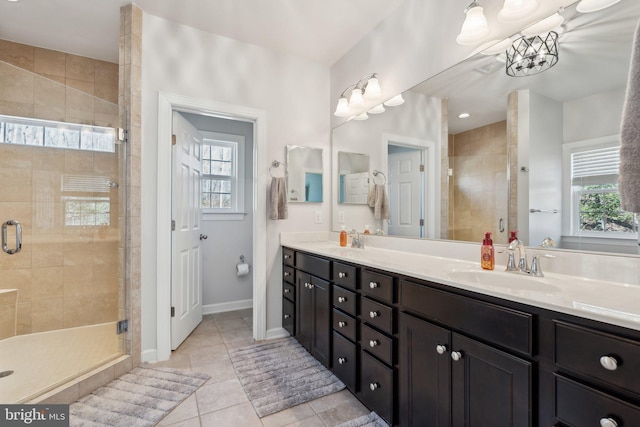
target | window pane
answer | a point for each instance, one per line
(600, 211)
(206, 186)
(225, 186)
(1, 131)
(226, 154)
(221, 168)
(24, 134)
(206, 151)
(216, 152)
(206, 200)
(225, 200)
(206, 167)
(215, 201)
(62, 138)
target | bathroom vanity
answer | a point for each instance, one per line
(430, 341)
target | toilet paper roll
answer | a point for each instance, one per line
(242, 269)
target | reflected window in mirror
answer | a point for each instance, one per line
(222, 175)
(353, 178)
(304, 179)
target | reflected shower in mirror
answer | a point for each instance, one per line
(507, 166)
(353, 178)
(304, 182)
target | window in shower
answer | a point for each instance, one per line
(87, 211)
(22, 131)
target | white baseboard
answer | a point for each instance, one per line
(227, 306)
(277, 333)
(149, 355)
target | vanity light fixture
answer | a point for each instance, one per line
(363, 116)
(378, 109)
(395, 101)
(367, 88)
(532, 55)
(587, 6)
(516, 10)
(464, 115)
(474, 27)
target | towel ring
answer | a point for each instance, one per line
(376, 173)
(276, 164)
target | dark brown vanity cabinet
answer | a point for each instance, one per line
(314, 316)
(345, 299)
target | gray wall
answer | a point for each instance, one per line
(228, 239)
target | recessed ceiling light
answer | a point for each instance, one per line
(463, 115)
(13, 1)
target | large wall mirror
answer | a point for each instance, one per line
(304, 179)
(512, 164)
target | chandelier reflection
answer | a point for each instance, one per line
(532, 55)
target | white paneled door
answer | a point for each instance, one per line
(186, 255)
(405, 193)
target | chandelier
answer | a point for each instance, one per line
(532, 55)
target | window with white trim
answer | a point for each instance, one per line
(222, 176)
(595, 199)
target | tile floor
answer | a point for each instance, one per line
(221, 402)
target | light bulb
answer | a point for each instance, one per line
(362, 116)
(372, 91)
(356, 100)
(378, 109)
(395, 101)
(474, 26)
(515, 10)
(586, 6)
(342, 110)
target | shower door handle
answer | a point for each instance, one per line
(18, 246)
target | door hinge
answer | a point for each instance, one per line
(173, 312)
(421, 222)
(421, 168)
(122, 326)
(173, 225)
(123, 135)
(173, 140)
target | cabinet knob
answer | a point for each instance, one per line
(287, 316)
(456, 355)
(608, 422)
(342, 360)
(609, 363)
(342, 275)
(287, 256)
(441, 349)
(374, 386)
(287, 274)
(286, 291)
(341, 299)
(342, 324)
(373, 285)
(373, 314)
(373, 343)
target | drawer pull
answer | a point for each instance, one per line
(456, 355)
(608, 422)
(373, 285)
(373, 314)
(373, 343)
(374, 386)
(287, 256)
(609, 363)
(286, 291)
(342, 275)
(441, 349)
(287, 274)
(341, 299)
(342, 324)
(287, 316)
(308, 285)
(342, 360)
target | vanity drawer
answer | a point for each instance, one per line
(377, 344)
(501, 325)
(376, 314)
(344, 300)
(376, 386)
(578, 405)
(288, 274)
(288, 316)
(288, 256)
(317, 266)
(289, 291)
(345, 361)
(344, 275)
(344, 324)
(583, 351)
(377, 285)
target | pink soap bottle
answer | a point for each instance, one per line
(487, 259)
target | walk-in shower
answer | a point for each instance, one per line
(62, 211)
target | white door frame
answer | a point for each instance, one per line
(167, 103)
(431, 153)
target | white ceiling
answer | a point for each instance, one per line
(320, 30)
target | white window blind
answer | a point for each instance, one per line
(596, 166)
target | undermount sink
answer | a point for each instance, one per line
(511, 281)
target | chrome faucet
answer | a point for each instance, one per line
(356, 239)
(523, 266)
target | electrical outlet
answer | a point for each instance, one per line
(318, 217)
(340, 217)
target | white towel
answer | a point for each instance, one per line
(279, 206)
(381, 202)
(629, 178)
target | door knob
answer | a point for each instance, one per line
(203, 237)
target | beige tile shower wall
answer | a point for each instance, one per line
(479, 182)
(65, 275)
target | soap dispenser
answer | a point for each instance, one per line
(513, 235)
(343, 236)
(487, 259)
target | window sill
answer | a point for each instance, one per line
(211, 216)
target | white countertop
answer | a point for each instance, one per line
(611, 302)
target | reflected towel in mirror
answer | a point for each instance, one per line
(629, 177)
(379, 201)
(279, 206)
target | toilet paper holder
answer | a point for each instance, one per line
(242, 268)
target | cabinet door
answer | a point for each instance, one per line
(321, 338)
(489, 387)
(304, 310)
(424, 373)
